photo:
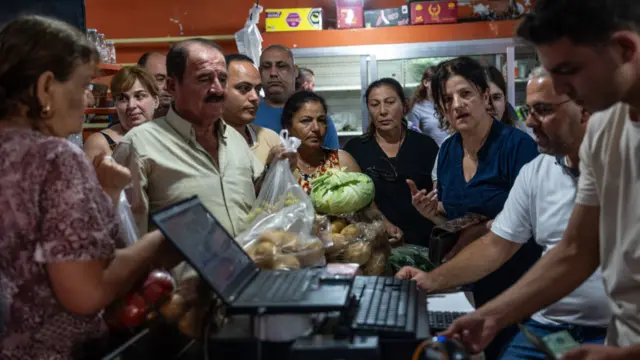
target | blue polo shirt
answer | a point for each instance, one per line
(500, 159)
(271, 118)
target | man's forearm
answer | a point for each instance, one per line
(474, 262)
(559, 272)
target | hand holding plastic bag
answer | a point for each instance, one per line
(282, 221)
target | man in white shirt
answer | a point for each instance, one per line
(592, 50)
(539, 206)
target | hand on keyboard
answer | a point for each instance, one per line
(422, 279)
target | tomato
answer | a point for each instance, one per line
(159, 283)
(132, 316)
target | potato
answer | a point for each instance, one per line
(290, 243)
(312, 254)
(274, 237)
(265, 263)
(351, 232)
(174, 308)
(376, 264)
(337, 225)
(265, 249)
(286, 262)
(340, 242)
(358, 252)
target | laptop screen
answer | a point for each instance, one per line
(206, 244)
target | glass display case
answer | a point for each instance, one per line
(343, 73)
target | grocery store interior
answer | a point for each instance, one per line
(282, 179)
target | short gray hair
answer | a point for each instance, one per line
(538, 72)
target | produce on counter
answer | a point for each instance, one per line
(281, 250)
(410, 255)
(338, 192)
(159, 284)
(360, 238)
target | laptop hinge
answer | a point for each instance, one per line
(245, 282)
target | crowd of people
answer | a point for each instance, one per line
(558, 251)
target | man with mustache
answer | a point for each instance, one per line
(156, 64)
(279, 72)
(539, 206)
(591, 48)
(241, 104)
(191, 151)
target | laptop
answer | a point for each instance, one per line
(235, 278)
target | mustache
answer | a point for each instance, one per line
(214, 98)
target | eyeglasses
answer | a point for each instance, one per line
(390, 175)
(541, 110)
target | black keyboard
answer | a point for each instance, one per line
(388, 307)
(441, 320)
(278, 286)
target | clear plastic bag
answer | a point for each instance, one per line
(127, 222)
(248, 39)
(360, 238)
(282, 221)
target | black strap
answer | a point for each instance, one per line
(112, 143)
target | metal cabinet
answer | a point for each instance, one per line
(343, 73)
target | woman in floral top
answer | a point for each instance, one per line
(305, 117)
(59, 263)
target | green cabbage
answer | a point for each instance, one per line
(339, 192)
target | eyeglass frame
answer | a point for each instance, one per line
(526, 110)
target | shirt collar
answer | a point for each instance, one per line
(494, 133)
(185, 129)
(252, 135)
(562, 162)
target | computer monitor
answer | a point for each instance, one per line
(207, 246)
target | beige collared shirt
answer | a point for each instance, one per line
(262, 141)
(168, 165)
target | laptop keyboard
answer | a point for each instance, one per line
(278, 286)
(386, 305)
(441, 320)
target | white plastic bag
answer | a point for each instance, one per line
(129, 227)
(248, 39)
(281, 223)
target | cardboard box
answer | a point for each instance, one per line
(299, 19)
(350, 14)
(434, 12)
(484, 9)
(387, 17)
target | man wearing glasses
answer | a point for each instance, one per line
(279, 72)
(539, 206)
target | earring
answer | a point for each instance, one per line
(45, 111)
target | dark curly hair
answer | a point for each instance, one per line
(30, 46)
(463, 66)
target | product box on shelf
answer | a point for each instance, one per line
(350, 14)
(387, 17)
(434, 12)
(470, 10)
(299, 19)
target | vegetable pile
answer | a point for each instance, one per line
(338, 192)
(281, 250)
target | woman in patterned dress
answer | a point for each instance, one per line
(59, 233)
(305, 117)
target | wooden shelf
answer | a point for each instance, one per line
(100, 111)
(394, 35)
(107, 69)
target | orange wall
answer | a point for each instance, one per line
(157, 18)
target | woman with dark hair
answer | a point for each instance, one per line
(305, 116)
(423, 111)
(477, 167)
(59, 266)
(499, 108)
(391, 154)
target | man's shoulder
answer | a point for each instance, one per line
(143, 131)
(266, 134)
(541, 165)
(603, 123)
